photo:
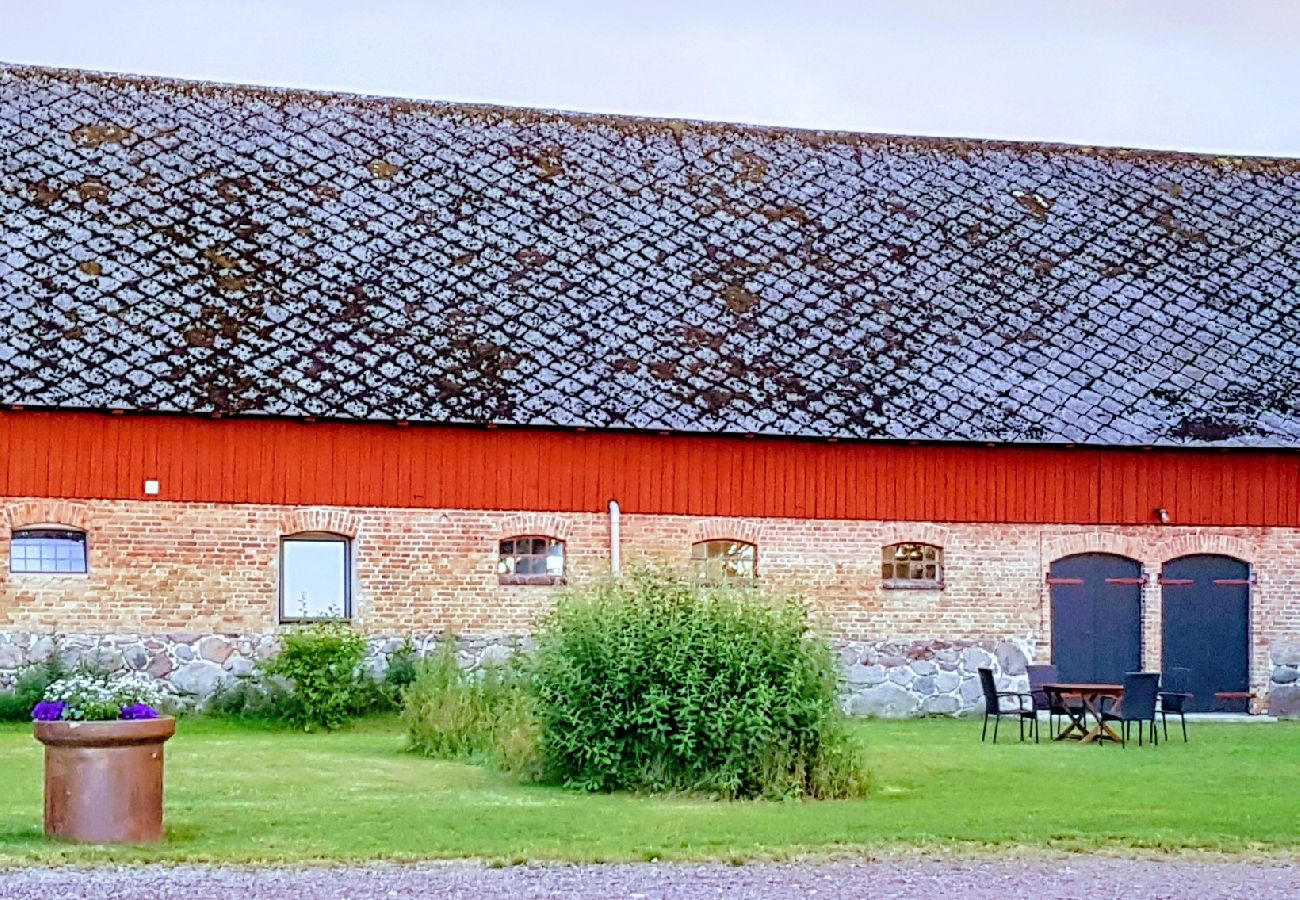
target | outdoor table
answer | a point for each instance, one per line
(1091, 695)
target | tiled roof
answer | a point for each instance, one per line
(170, 246)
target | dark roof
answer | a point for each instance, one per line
(172, 246)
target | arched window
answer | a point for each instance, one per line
(725, 561)
(530, 559)
(315, 577)
(48, 550)
(912, 565)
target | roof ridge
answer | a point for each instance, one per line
(957, 145)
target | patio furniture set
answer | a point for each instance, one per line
(1091, 713)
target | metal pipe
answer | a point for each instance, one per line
(615, 539)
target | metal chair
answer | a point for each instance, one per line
(1138, 705)
(1040, 675)
(1174, 698)
(993, 707)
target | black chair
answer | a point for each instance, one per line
(1174, 698)
(1138, 705)
(1040, 675)
(993, 707)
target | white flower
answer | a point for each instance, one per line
(100, 693)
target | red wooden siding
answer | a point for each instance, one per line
(276, 461)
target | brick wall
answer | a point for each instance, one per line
(160, 567)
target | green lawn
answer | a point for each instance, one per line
(242, 794)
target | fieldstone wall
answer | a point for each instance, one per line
(1284, 680)
(881, 678)
(896, 680)
(192, 665)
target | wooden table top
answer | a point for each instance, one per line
(1067, 688)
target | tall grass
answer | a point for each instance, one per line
(482, 716)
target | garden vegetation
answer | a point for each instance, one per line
(483, 717)
(655, 683)
(316, 680)
(16, 705)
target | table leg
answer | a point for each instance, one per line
(1101, 731)
(1078, 728)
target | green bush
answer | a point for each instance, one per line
(16, 704)
(322, 664)
(252, 698)
(315, 657)
(402, 668)
(482, 716)
(659, 683)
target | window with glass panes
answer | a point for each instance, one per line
(531, 559)
(51, 551)
(315, 577)
(725, 561)
(905, 565)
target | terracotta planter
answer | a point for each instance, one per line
(104, 780)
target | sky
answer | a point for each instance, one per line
(1199, 75)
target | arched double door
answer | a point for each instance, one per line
(1096, 617)
(1205, 610)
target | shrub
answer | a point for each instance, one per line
(482, 716)
(16, 705)
(321, 662)
(252, 698)
(401, 670)
(659, 683)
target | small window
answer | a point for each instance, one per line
(719, 562)
(48, 550)
(531, 559)
(912, 566)
(315, 578)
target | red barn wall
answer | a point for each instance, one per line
(264, 461)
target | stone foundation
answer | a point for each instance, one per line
(911, 678)
(1284, 680)
(881, 678)
(889, 679)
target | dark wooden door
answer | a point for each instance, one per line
(1096, 617)
(1206, 624)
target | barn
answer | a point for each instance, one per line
(268, 356)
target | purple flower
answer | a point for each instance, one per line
(48, 710)
(138, 711)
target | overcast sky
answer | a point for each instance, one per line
(1208, 75)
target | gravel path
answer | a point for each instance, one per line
(1071, 877)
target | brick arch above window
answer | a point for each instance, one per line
(46, 512)
(320, 521)
(1209, 544)
(546, 524)
(744, 530)
(1055, 548)
(915, 533)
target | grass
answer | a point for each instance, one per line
(242, 794)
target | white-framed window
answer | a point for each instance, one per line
(725, 561)
(48, 550)
(530, 559)
(911, 565)
(315, 577)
